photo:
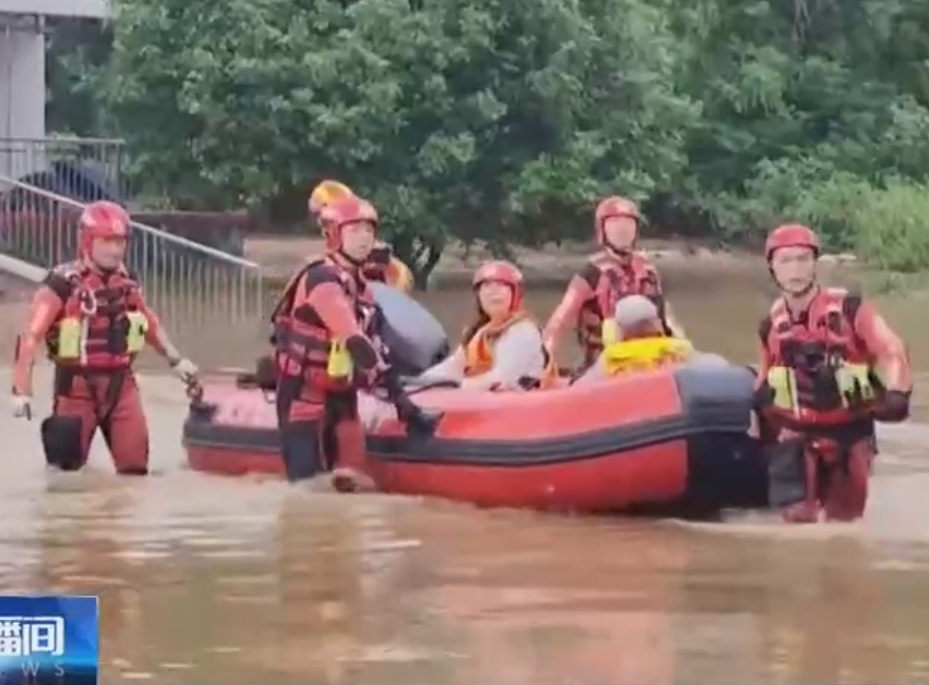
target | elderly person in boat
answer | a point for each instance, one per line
(501, 349)
(635, 340)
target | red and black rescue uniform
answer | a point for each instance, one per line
(95, 388)
(603, 282)
(834, 426)
(326, 303)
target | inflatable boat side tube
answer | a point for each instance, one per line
(715, 400)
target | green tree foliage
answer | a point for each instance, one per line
(503, 120)
(482, 119)
(806, 105)
(77, 49)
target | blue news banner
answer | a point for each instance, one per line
(49, 640)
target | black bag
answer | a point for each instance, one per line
(61, 439)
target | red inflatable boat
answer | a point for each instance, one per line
(674, 437)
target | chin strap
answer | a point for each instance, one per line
(806, 291)
(354, 262)
(619, 252)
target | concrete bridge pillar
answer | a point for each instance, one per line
(22, 93)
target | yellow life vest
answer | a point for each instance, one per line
(135, 336)
(399, 275)
(608, 332)
(644, 353)
(73, 334)
(339, 365)
(849, 378)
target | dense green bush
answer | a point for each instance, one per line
(891, 228)
(805, 191)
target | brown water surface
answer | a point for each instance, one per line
(205, 580)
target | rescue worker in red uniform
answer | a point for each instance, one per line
(615, 272)
(94, 321)
(830, 366)
(381, 265)
(325, 350)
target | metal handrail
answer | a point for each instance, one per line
(211, 302)
(161, 233)
(68, 140)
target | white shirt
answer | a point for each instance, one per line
(517, 353)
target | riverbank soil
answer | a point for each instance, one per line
(280, 256)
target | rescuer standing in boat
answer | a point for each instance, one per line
(830, 366)
(615, 272)
(92, 317)
(501, 349)
(326, 349)
(381, 265)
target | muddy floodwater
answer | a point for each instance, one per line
(205, 580)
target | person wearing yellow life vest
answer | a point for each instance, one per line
(381, 265)
(94, 321)
(502, 348)
(830, 367)
(636, 339)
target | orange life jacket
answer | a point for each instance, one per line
(102, 306)
(302, 342)
(812, 348)
(612, 281)
(479, 349)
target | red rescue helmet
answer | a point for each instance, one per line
(611, 207)
(342, 212)
(791, 235)
(326, 193)
(501, 272)
(102, 219)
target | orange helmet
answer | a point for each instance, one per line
(613, 207)
(791, 235)
(102, 219)
(337, 214)
(326, 193)
(501, 272)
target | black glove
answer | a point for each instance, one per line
(416, 419)
(893, 407)
(763, 397)
(855, 397)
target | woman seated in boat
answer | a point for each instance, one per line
(502, 348)
(635, 340)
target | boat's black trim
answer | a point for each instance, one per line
(478, 452)
(725, 411)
